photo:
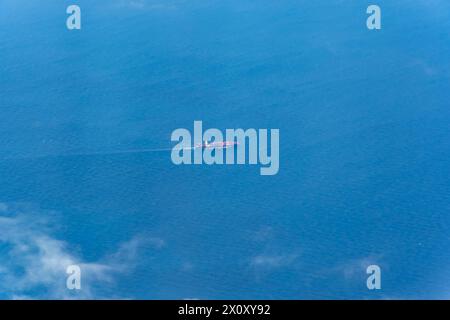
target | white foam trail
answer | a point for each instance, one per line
(100, 153)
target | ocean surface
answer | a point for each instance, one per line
(364, 149)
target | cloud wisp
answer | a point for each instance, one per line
(33, 263)
(150, 4)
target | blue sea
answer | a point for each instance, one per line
(364, 149)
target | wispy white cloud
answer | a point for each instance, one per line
(356, 268)
(273, 261)
(31, 260)
(150, 4)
